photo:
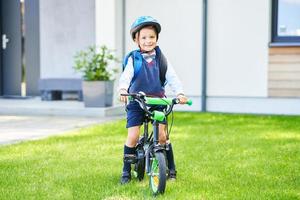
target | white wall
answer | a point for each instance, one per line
(109, 31)
(105, 23)
(65, 28)
(238, 36)
(180, 38)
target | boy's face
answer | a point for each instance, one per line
(147, 39)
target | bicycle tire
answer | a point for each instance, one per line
(140, 169)
(158, 177)
(139, 166)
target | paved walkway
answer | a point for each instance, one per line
(29, 119)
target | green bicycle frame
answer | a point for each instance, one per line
(158, 115)
(158, 101)
(162, 101)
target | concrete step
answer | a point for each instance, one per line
(36, 107)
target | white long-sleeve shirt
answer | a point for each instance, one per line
(171, 77)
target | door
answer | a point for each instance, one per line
(1, 84)
(11, 73)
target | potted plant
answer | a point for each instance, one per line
(98, 77)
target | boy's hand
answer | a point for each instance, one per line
(182, 99)
(123, 98)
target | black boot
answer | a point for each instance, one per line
(171, 163)
(125, 178)
(172, 174)
(126, 174)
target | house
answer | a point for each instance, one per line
(232, 56)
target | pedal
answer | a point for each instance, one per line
(140, 154)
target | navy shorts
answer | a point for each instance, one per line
(136, 115)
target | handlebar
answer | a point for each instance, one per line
(145, 101)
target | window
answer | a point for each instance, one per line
(286, 21)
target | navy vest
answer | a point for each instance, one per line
(148, 79)
(138, 61)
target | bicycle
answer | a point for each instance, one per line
(150, 155)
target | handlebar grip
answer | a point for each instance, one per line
(189, 102)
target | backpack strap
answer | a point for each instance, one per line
(137, 59)
(125, 61)
(137, 63)
(163, 66)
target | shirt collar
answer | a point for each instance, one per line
(149, 56)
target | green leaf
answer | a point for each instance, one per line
(93, 63)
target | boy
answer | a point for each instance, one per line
(144, 31)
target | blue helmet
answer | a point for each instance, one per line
(143, 21)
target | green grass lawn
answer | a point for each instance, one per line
(218, 156)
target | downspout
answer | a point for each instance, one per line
(204, 57)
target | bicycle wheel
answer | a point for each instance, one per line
(140, 169)
(158, 173)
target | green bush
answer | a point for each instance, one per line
(94, 62)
